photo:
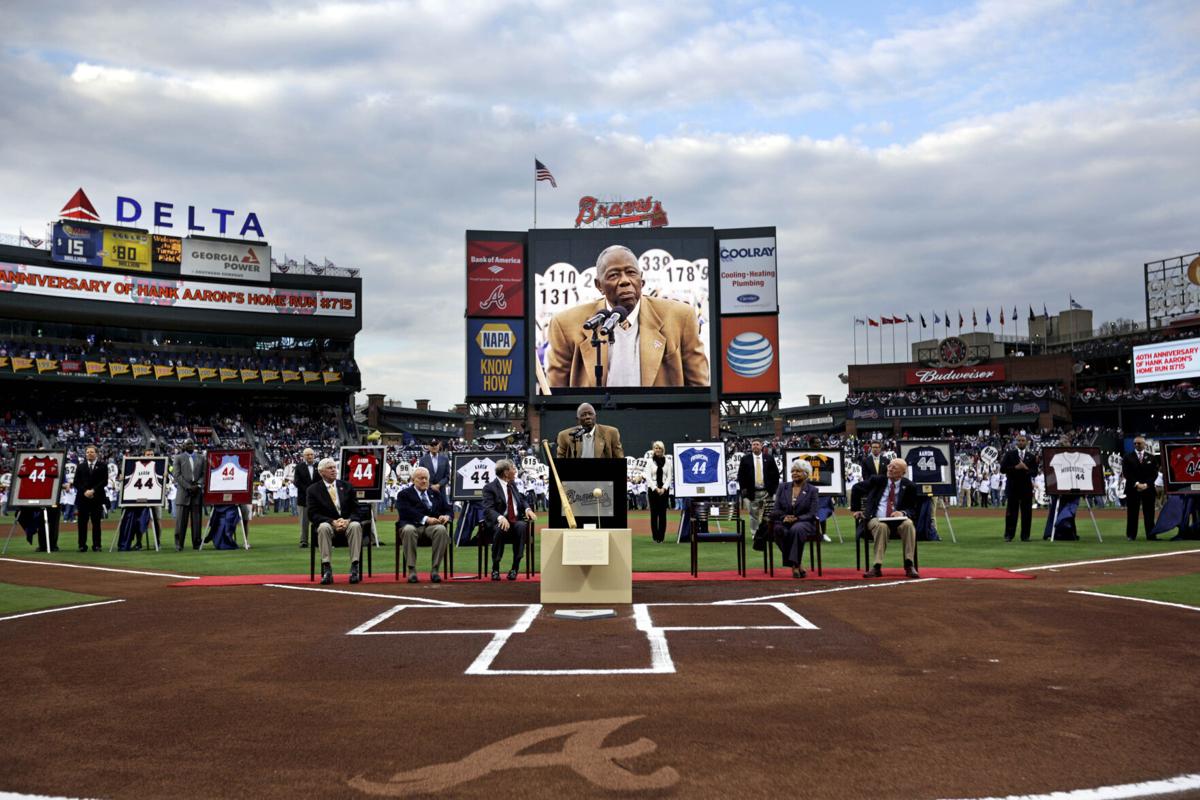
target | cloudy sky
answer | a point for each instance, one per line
(914, 156)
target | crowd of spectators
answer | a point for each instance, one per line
(75, 425)
(282, 431)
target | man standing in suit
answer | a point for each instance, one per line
(657, 344)
(874, 463)
(304, 476)
(758, 479)
(333, 507)
(589, 439)
(509, 515)
(891, 497)
(1019, 467)
(438, 464)
(188, 468)
(422, 516)
(91, 476)
(1140, 469)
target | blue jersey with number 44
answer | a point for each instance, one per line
(699, 465)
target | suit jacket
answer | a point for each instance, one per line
(410, 510)
(440, 476)
(907, 497)
(669, 345)
(495, 501)
(1020, 481)
(868, 466)
(321, 507)
(95, 479)
(1139, 471)
(188, 492)
(745, 476)
(607, 444)
(303, 480)
(805, 507)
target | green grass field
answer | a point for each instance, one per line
(1183, 589)
(16, 599)
(274, 549)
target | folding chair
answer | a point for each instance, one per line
(706, 512)
(338, 540)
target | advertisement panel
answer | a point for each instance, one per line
(77, 244)
(667, 338)
(126, 250)
(750, 350)
(166, 249)
(495, 358)
(240, 261)
(991, 373)
(495, 279)
(76, 285)
(748, 276)
(1166, 361)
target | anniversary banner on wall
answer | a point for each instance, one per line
(239, 261)
(75, 285)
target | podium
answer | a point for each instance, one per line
(586, 565)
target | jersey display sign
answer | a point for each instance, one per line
(36, 479)
(472, 472)
(1181, 467)
(362, 468)
(143, 481)
(930, 466)
(827, 472)
(700, 469)
(1073, 470)
(229, 477)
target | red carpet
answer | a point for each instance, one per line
(781, 575)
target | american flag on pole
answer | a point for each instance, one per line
(541, 173)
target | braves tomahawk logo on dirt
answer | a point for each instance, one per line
(582, 751)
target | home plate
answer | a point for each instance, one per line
(585, 613)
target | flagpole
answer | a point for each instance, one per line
(867, 337)
(535, 182)
(907, 346)
(893, 340)
(854, 330)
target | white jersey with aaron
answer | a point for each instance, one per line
(143, 485)
(477, 473)
(1073, 471)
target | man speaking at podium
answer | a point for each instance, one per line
(656, 342)
(589, 439)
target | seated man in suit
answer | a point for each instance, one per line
(422, 515)
(333, 507)
(509, 515)
(890, 497)
(589, 439)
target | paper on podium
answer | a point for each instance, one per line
(585, 548)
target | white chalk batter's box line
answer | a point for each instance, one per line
(660, 651)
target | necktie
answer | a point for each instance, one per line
(333, 496)
(758, 476)
(891, 498)
(425, 500)
(877, 466)
(512, 507)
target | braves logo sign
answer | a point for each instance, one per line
(495, 299)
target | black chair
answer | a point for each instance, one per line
(339, 540)
(863, 557)
(704, 513)
(402, 558)
(483, 547)
(814, 544)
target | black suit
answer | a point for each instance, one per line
(1139, 470)
(416, 522)
(303, 477)
(868, 466)
(745, 475)
(495, 505)
(906, 499)
(322, 511)
(411, 511)
(88, 508)
(439, 475)
(1019, 488)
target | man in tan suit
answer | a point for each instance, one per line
(589, 440)
(657, 345)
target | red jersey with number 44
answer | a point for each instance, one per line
(361, 470)
(37, 474)
(1184, 464)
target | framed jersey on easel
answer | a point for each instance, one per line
(700, 469)
(1073, 470)
(931, 466)
(229, 477)
(143, 482)
(36, 479)
(362, 468)
(827, 473)
(1181, 467)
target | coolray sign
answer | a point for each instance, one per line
(495, 279)
(938, 375)
(237, 260)
(1166, 361)
(216, 220)
(646, 212)
(78, 285)
(1003, 408)
(749, 270)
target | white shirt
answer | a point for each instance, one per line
(624, 357)
(587, 444)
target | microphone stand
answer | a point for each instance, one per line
(597, 342)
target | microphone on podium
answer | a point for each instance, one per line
(618, 315)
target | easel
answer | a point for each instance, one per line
(1053, 508)
(154, 526)
(946, 511)
(45, 530)
(241, 521)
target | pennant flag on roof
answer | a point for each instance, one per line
(79, 207)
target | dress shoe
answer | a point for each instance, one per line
(1008, 538)
(96, 548)
(54, 549)
(178, 548)
(355, 572)
(512, 574)
(435, 577)
(326, 574)
(137, 547)
(495, 574)
(412, 578)
(911, 572)
(304, 545)
(874, 572)
(798, 573)
(83, 548)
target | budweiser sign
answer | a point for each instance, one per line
(939, 375)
